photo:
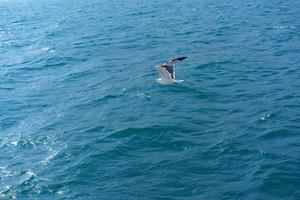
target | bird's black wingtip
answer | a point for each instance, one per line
(178, 59)
(181, 58)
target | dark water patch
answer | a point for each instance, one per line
(157, 129)
(77, 75)
(96, 102)
(277, 134)
(215, 64)
(7, 88)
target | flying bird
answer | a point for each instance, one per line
(167, 71)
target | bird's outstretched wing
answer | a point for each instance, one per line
(169, 66)
(167, 71)
(163, 72)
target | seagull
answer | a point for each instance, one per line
(167, 71)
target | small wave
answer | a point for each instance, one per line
(21, 142)
(151, 129)
(7, 88)
(48, 49)
(143, 95)
(77, 75)
(54, 26)
(51, 155)
(163, 137)
(97, 102)
(5, 172)
(215, 64)
(26, 184)
(266, 117)
(280, 133)
(95, 129)
(283, 27)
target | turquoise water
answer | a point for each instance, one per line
(82, 118)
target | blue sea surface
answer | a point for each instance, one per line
(81, 116)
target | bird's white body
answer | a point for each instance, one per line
(167, 82)
(164, 81)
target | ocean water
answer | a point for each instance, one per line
(81, 116)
